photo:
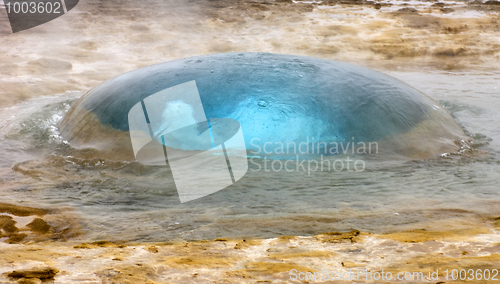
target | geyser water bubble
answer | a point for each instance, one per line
(279, 101)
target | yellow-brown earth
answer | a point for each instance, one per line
(47, 253)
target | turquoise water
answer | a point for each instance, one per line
(278, 100)
(121, 200)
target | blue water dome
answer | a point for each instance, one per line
(279, 101)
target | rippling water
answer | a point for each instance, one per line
(129, 201)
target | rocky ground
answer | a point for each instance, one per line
(42, 245)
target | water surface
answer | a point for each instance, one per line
(129, 201)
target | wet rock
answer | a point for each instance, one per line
(16, 238)
(214, 261)
(152, 249)
(21, 211)
(128, 274)
(455, 30)
(285, 239)
(99, 244)
(496, 222)
(273, 250)
(60, 227)
(447, 10)
(406, 10)
(292, 254)
(385, 4)
(8, 225)
(270, 268)
(221, 240)
(39, 226)
(29, 281)
(350, 264)
(247, 243)
(105, 244)
(430, 262)
(40, 273)
(453, 51)
(338, 237)
(211, 260)
(83, 246)
(416, 236)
